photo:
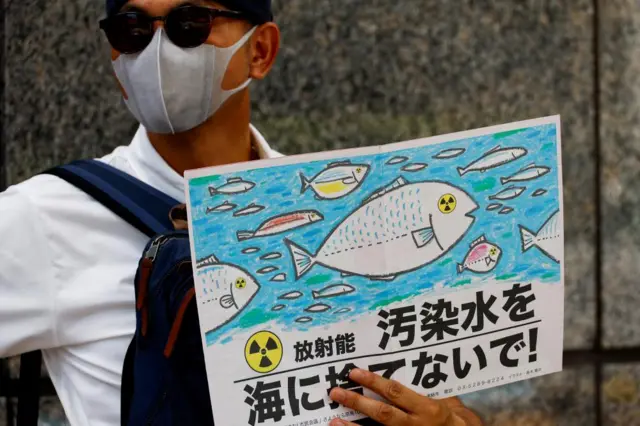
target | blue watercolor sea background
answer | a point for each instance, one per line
(279, 190)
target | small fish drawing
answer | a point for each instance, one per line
(282, 223)
(483, 257)
(496, 157)
(224, 207)
(449, 153)
(342, 311)
(279, 278)
(291, 295)
(250, 209)
(508, 194)
(271, 256)
(547, 239)
(494, 206)
(397, 160)
(267, 269)
(539, 192)
(233, 186)
(318, 307)
(530, 172)
(229, 285)
(250, 250)
(333, 291)
(415, 167)
(277, 308)
(336, 180)
(506, 210)
(421, 220)
(304, 319)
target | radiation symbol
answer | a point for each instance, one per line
(447, 203)
(263, 351)
(493, 251)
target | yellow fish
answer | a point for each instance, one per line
(336, 180)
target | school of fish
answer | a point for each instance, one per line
(420, 220)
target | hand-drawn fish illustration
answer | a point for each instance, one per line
(271, 256)
(415, 167)
(318, 307)
(229, 285)
(506, 210)
(224, 207)
(482, 257)
(342, 311)
(304, 319)
(508, 194)
(291, 295)
(250, 209)
(266, 270)
(418, 221)
(336, 180)
(333, 291)
(449, 153)
(282, 223)
(494, 206)
(250, 250)
(277, 308)
(397, 160)
(539, 192)
(496, 157)
(530, 172)
(547, 239)
(279, 278)
(233, 186)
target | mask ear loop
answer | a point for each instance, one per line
(237, 46)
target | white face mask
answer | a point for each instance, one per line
(170, 89)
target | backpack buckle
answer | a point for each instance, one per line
(152, 252)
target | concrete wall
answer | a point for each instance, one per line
(361, 72)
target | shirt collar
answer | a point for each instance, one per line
(151, 168)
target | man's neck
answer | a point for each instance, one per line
(223, 139)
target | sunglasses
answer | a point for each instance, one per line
(186, 26)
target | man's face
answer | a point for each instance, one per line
(224, 33)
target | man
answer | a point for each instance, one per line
(67, 264)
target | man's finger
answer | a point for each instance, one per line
(376, 410)
(399, 395)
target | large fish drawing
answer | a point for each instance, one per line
(528, 173)
(233, 186)
(336, 180)
(548, 239)
(494, 158)
(402, 227)
(282, 223)
(229, 289)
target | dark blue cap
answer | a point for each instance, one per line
(260, 10)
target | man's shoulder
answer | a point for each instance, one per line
(46, 190)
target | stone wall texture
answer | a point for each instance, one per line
(363, 72)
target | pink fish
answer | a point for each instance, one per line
(482, 258)
(282, 223)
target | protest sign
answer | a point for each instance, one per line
(436, 262)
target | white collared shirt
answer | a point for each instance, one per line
(67, 266)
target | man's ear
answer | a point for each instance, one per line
(265, 45)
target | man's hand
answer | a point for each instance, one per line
(408, 408)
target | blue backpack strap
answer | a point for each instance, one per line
(141, 205)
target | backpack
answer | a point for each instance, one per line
(164, 379)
